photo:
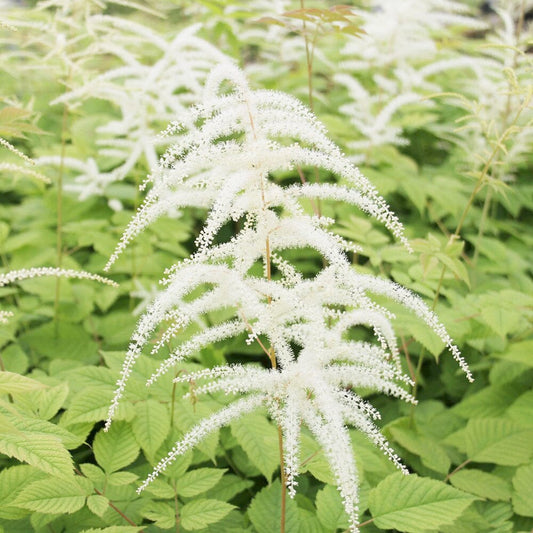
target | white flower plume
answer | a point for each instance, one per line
(222, 161)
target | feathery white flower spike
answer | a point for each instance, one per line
(222, 161)
(26, 273)
(275, 131)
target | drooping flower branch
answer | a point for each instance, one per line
(222, 160)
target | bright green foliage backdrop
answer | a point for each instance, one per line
(469, 446)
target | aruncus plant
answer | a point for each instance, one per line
(223, 159)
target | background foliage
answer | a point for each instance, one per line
(454, 163)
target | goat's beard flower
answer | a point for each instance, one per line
(222, 161)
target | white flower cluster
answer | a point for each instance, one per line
(36, 272)
(146, 95)
(222, 160)
(400, 46)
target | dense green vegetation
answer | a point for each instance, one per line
(433, 102)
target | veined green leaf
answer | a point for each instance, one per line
(523, 491)
(491, 401)
(162, 513)
(265, 514)
(97, 504)
(54, 496)
(11, 383)
(499, 441)
(92, 405)
(12, 481)
(185, 417)
(122, 478)
(482, 484)
(414, 504)
(115, 449)
(73, 342)
(259, 439)
(521, 410)
(49, 401)
(430, 451)
(150, 425)
(197, 481)
(198, 514)
(228, 487)
(314, 461)
(160, 489)
(330, 509)
(94, 473)
(309, 523)
(45, 452)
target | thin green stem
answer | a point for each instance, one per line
(110, 503)
(59, 208)
(482, 222)
(460, 467)
(362, 524)
(486, 167)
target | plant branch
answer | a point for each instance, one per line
(110, 503)
(460, 467)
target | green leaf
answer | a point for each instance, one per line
(330, 509)
(122, 478)
(45, 452)
(265, 512)
(162, 513)
(228, 487)
(523, 491)
(53, 496)
(499, 441)
(419, 330)
(482, 484)
(414, 504)
(521, 410)
(519, 352)
(201, 513)
(92, 405)
(94, 473)
(97, 504)
(197, 481)
(30, 425)
(186, 416)
(430, 451)
(259, 439)
(115, 449)
(72, 342)
(49, 401)
(309, 523)
(12, 481)
(501, 310)
(11, 383)
(314, 460)
(491, 401)
(160, 489)
(151, 425)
